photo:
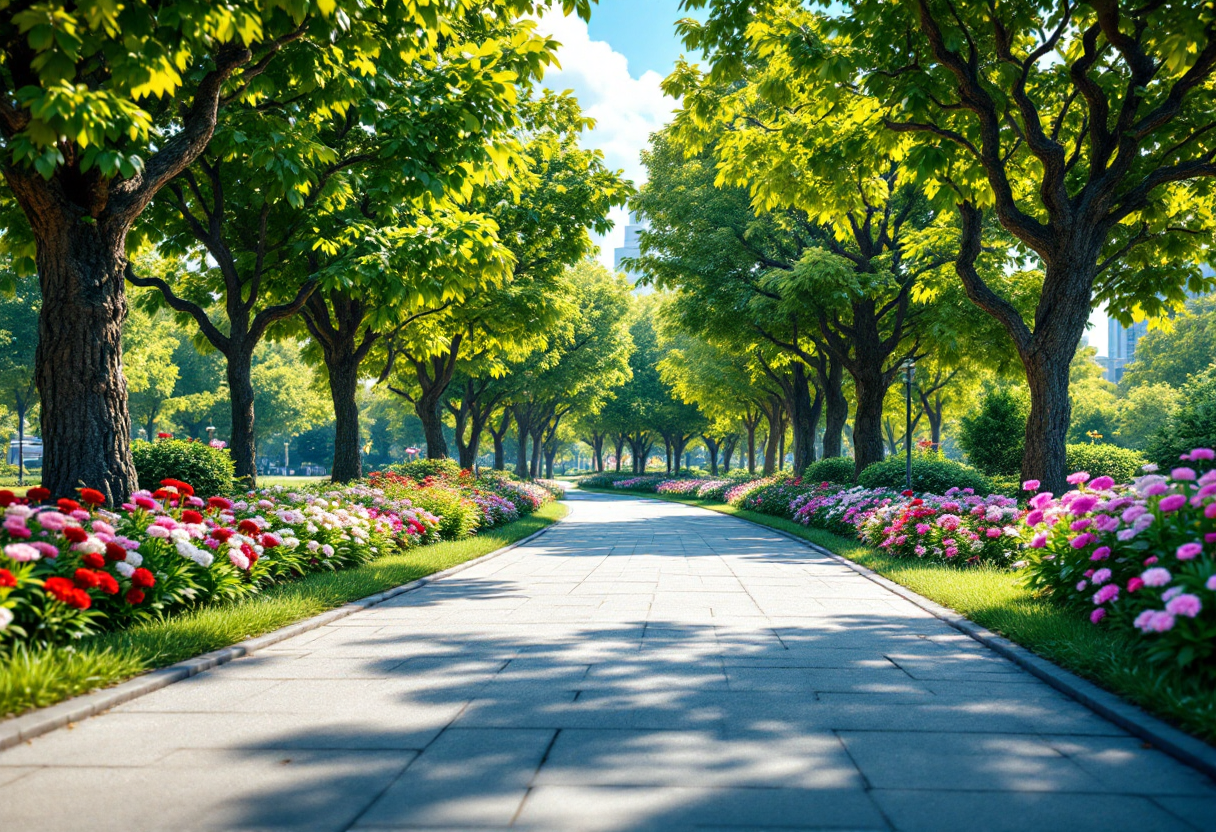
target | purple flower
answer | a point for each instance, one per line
(1172, 503)
(1041, 500)
(1034, 518)
(1082, 540)
(1083, 504)
(1211, 584)
(1186, 474)
(1155, 489)
(1097, 615)
(1132, 512)
(1102, 483)
(1110, 592)
(1082, 586)
(1189, 551)
(1106, 523)
(1039, 541)
(1200, 453)
(1101, 553)
(1186, 605)
(1154, 621)
(1102, 576)
(1157, 576)
(1031, 485)
(1078, 478)
(1080, 525)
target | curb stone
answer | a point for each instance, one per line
(1136, 721)
(44, 720)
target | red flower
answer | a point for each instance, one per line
(143, 578)
(75, 534)
(135, 596)
(92, 496)
(219, 502)
(163, 435)
(249, 527)
(191, 516)
(94, 560)
(7, 578)
(38, 494)
(182, 487)
(906, 493)
(87, 579)
(269, 541)
(7, 498)
(115, 552)
(221, 534)
(248, 551)
(68, 506)
(107, 584)
(63, 590)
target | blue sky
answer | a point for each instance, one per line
(615, 65)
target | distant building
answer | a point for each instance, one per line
(1121, 344)
(632, 248)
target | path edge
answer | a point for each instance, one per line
(1110, 706)
(41, 721)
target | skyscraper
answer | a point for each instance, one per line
(632, 248)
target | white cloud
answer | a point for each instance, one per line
(626, 109)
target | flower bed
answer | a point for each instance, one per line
(1140, 558)
(955, 527)
(72, 568)
(679, 488)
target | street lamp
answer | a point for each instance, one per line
(909, 368)
(286, 458)
(210, 434)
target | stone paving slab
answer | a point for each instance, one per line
(642, 666)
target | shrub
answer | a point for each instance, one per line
(420, 469)
(932, 474)
(715, 490)
(458, 515)
(1192, 425)
(1104, 460)
(837, 469)
(995, 436)
(206, 468)
(776, 499)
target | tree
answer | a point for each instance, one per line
(1144, 412)
(1192, 425)
(993, 435)
(287, 394)
(1083, 128)
(19, 331)
(1094, 403)
(149, 343)
(1178, 348)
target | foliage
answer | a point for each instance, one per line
(995, 435)
(931, 474)
(1095, 407)
(1102, 459)
(834, 469)
(1176, 348)
(421, 469)
(459, 515)
(1144, 411)
(1137, 559)
(208, 469)
(1192, 425)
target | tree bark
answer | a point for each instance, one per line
(1045, 457)
(712, 447)
(523, 422)
(500, 457)
(243, 446)
(867, 422)
(836, 410)
(728, 451)
(618, 441)
(86, 426)
(751, 422)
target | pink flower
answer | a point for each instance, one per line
(1134, 584)
(949, 522)
(1031, 485)
(1078, 478)
(1097, 615)
(922, 528)
(1157, 576)
(22, 552)
(158, 531)
(1080, 525)
(1083, 504)
(1186, 605)
(1189, 551)
(1211, 584)
(1102, 483)
(53, 520)
(1209, 511)
(1102, 576)
(1039, 541)
(1154, 621)
(1200, 453)
(1106, 523)
(1101, 553)
(1172, 503)
(1150, 560)
(1185, 474)
(1082, 540)
(1034, 518)
(16, 527)
(1110, 592)
(1132, 512)
(951, 551)
(1041, 500)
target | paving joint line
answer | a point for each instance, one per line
(41, 721)
(1131, 718)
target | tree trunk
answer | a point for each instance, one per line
(500, 457)
(343, 388)
(240, 393)
(428, 407)
(619, 443)
(711, 448)
(771, 442)
(836, 410)
(470, 449)
(85, 424)
(728, 451)
(667, 454)
(804, 418)
(21, 408)
(1047, 427)
(867, 422)
(524, 424)
(550, 454)
(751, 446)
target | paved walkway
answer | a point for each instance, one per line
(643, 666)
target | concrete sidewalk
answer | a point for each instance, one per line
(642, 666)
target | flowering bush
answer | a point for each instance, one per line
(714, 489)
(645, 484)
(207, 467)
(71, 568)
(955, 527)
(736, 494)
(1140, 557)
(777, 497)
(684, 488)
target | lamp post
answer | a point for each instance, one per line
(909, 368)
(286, 458)
(210, 434)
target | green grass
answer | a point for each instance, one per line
(289, 482)
(998, 600)
(40, 677)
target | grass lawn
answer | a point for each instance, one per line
(289, 482)
(41, 677)
(997, 599)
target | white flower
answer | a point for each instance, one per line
(327, 550)
(135, 559)
(312, 546)
(179, 535)
(6, 617)
(124, 568)
(290, 542)
(91, 546)
(238, 558)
